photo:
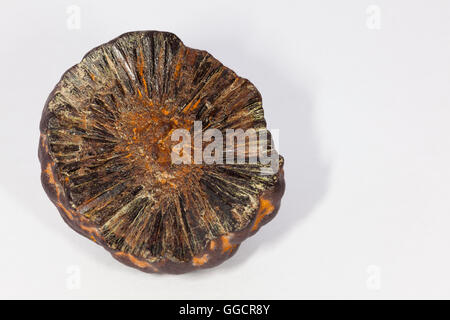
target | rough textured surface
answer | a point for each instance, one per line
(105, 154)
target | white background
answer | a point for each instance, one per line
(363, 115)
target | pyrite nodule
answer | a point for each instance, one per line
(105, 151)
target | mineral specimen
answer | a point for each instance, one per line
(106, 148)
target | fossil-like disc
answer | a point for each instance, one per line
(105, 151)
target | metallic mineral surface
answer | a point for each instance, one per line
(105, 151)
